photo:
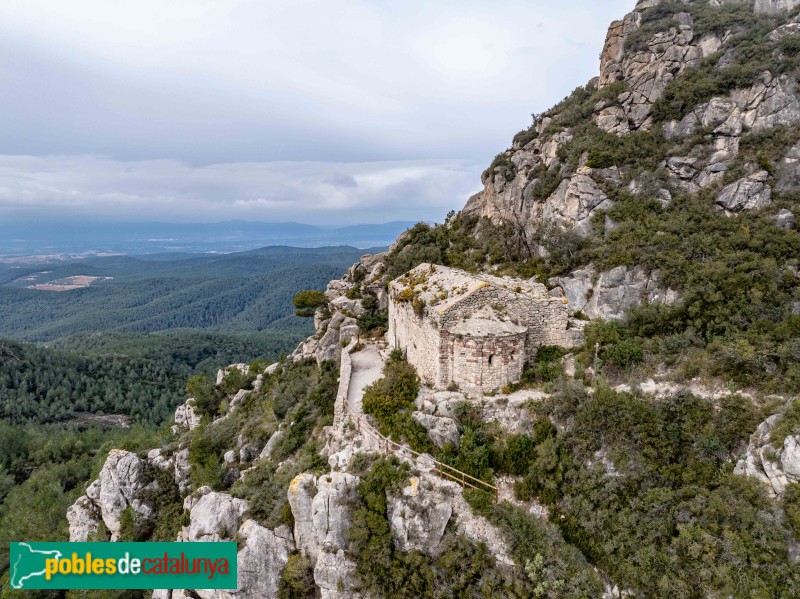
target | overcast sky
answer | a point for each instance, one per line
(320, 111)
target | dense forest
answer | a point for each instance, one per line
(113, 359)
(241, 293)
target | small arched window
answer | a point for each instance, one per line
(491, 359)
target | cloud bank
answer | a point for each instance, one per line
(213, 89)
(312, 192)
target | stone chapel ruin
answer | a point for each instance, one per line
(476, 331)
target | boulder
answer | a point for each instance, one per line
(749, 193)
(186, 416)
(785, 219)
(441, 430)
(84, 520)
(272, 443)
(418, 517)
(214, 516)
(118, 486)
(237, 399)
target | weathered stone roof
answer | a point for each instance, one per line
(442, 287)
(484, 327)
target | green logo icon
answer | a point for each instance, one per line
(122, 566)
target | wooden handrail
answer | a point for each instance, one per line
(439, 467)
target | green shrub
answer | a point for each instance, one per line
(235, 380)
(791, 507)
(297, 579)
(392, 395)
(308, 301)
(205, 457)
(625, 354)
(501, 165)
(206, 398)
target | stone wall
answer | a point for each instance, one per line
(418, 337)
(545, 317)
(482, 363)
(441, 356)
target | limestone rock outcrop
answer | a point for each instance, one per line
(186, 416)
(607, 295)
(775, 467)
(321, 510)
(785, 219)
(771, 7)
(441, 430)
(574, 202)
(749, 193)
(84, 520)
(214, 516)
(118, 487)
(648, 69)
(262, 555)
(418, 517)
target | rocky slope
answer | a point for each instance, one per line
(558, 176)
(696, 103)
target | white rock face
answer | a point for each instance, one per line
(221, 373)
(321, 510)
(120, 482)
(182, 470)
(186, 416)
(775, 468)
(441, 430)
(84, 520)
(509, 411)
(647, 70)
(772, 7)
(749, 193)
(785, 219)
(609, 294)
(261, 561)
(301, 494)
(157, 458)
(214, 516)
(418, 517)
(335, 576)
(574, 202)
(271, 444)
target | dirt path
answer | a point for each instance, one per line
(367, 368)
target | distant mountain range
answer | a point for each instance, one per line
(56, 238)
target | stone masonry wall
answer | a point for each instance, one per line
(417, 337)
(482, 363)
(545, 317)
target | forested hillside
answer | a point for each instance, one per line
(246, 292)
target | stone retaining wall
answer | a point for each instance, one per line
(340, 415)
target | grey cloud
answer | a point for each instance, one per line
(342, 181)
(92, 187)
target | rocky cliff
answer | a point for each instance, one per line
(659, 201)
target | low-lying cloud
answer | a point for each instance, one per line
(312, 192)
